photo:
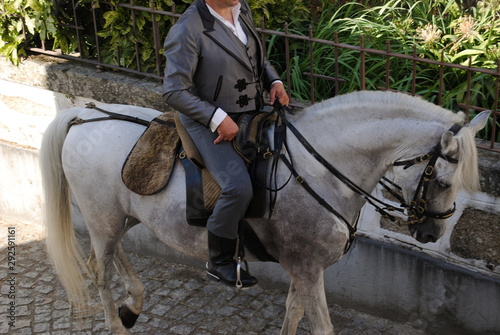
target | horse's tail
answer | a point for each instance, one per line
(62, 245)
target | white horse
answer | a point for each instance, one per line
(362, 134)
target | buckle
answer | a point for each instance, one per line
(429, 170)
(424, 158)
(268, 154)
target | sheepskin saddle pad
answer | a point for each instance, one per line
(148, 167)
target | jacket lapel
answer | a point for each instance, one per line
(221, 35)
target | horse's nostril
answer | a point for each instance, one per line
(426, 238)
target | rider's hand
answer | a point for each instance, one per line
(227, 130)
(278, 92)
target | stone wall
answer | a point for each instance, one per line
(432, 285)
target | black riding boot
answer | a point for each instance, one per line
(222, 266)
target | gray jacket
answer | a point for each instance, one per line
(208, 66)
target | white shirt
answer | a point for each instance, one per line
(236, 27)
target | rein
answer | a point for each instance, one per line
(280, 141)
(417, 208)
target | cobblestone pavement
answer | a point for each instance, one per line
(178, 299)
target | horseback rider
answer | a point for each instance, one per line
(216, 70)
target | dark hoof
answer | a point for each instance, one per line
(127, 316)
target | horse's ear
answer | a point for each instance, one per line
(479, 121)
(449, 144)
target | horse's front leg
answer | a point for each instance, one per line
(132, 307)
(309, 291)
(294, 312)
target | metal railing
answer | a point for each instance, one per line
(286, 39)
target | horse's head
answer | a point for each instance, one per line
(431, 182)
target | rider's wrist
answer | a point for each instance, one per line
(219, 115)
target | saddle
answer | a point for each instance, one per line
(149, 165)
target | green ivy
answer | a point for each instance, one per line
(276, 13)
(123, 33)
(23, 21)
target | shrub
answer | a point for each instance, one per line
(439, 28)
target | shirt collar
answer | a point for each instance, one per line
(236, 13)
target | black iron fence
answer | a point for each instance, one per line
(92, 31)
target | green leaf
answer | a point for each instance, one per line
(111, 18)
(30, 24)
(466, 53)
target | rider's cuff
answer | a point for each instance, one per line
(219, 115)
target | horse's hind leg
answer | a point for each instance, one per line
(101, 264)
(294, 312)
(132, 307)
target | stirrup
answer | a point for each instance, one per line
(239, 283)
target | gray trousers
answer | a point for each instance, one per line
(230, 171)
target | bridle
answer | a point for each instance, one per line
(416, 211)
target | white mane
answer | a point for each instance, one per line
(467, 170)
(390, 103)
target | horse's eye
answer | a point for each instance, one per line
(442, 184)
